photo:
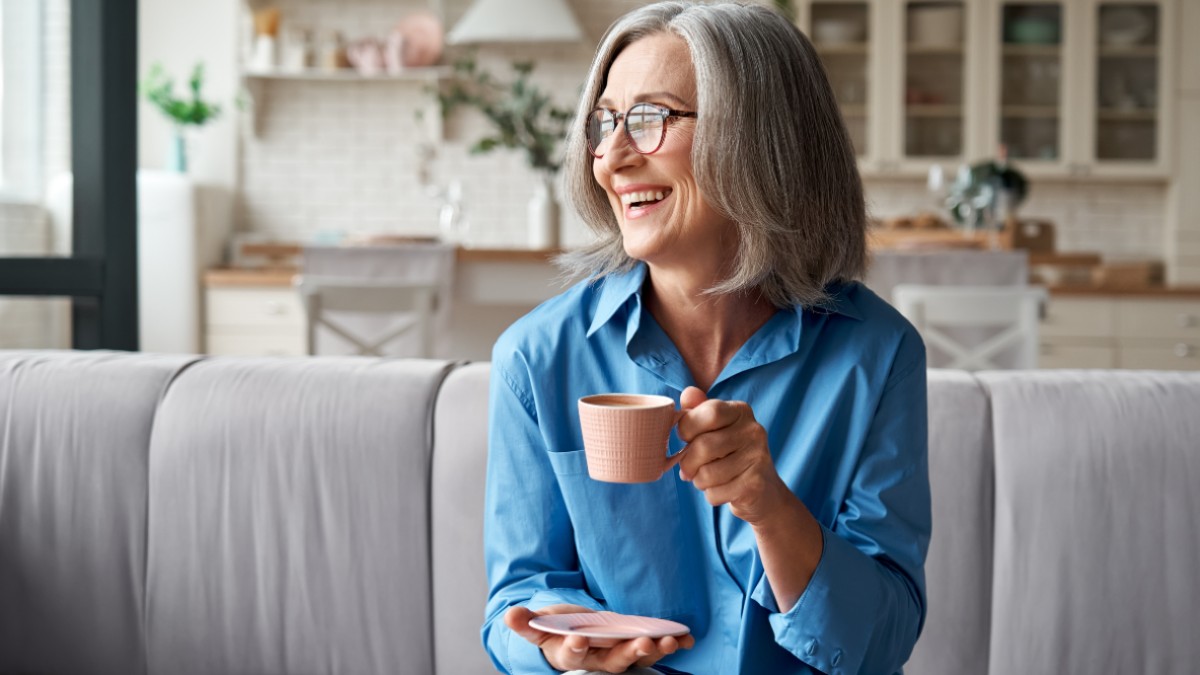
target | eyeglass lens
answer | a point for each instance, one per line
(643, 126)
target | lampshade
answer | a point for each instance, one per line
(516, 21)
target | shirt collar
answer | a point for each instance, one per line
(617, 289)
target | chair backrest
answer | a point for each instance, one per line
(951, 318)
(411, 304)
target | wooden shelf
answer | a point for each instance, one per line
(1121, 115)
(1131, 52)
(842, 49)
(350, 75)
(256, 86)
(1029, 111)
(925, 110)
(1032, 50)
(934, 50)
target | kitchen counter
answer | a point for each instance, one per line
(1181, 292)
(283, 276)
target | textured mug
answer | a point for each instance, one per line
(625, 436)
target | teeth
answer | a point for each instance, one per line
(644, 196)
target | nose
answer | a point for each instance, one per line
(620, 152)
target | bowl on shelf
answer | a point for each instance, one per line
(1124, 27)
(838, 31)
(1031, 31)
(935, 25)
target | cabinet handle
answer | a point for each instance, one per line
(1185, 320)
(1183, 350)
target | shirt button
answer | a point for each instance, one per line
(811, 648)
(837, 657)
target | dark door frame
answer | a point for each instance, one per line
(100, 276)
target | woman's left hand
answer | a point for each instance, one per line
(727, 456)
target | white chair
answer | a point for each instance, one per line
(411, 306)
(1004, 319)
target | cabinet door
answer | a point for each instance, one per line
(1059, 354)
(843, 32)
(1160, 355)
(940, 97)
(1031, 51)
(1127, 78)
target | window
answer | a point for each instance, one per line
(21, 99)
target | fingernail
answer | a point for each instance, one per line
(642, 652)
(578, 650)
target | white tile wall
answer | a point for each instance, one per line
(341, 157)
(1115, 219)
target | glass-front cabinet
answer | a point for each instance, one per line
(1069, 87)
(841, 31)
(1031, 56)
(1128, 64)
(934, 63)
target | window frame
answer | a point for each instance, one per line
(100, 276)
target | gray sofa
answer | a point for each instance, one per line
(178, 514)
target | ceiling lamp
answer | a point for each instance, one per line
(516, 21)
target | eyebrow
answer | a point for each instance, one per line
(650, 97)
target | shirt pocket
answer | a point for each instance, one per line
(636, 549)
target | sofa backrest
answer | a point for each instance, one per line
(289, 518)
(456, 493)
(186, 515)
(958, 567)
(1097, 522)
(74, 437)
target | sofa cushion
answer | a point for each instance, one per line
(289, 518)
(459, 475)
(74, 437)
(1097, 537)
(958, 567)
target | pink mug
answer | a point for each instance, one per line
(625, 436)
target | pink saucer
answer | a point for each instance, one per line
(608, 626)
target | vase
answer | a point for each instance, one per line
(177, 152)
(543, 214)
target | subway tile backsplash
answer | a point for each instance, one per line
(1118, 220)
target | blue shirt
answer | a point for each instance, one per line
(841, 393)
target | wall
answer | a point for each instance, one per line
(1118, 220)
(1183, 203)
(340, 159)
(178, 35)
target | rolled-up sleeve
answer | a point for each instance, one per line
(865, 604)
(528, 540)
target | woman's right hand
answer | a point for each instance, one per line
(573, 652)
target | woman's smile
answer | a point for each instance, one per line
(640, 202)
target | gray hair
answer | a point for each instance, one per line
(771, 152)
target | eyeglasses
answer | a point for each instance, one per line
(645, 127)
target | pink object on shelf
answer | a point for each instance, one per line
(421, 37)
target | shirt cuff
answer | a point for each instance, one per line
(830, 626)
(526, 657)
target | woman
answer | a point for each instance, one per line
(711, 160)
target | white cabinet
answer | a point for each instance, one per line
(254, 320)
(1121, 332)
(1074, 88)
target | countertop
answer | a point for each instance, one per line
(283, 275)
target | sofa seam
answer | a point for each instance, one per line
(162, 395)
(448, 367)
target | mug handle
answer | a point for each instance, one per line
(671, 461)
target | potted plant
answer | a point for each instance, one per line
(159, 90)
(523, 117)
